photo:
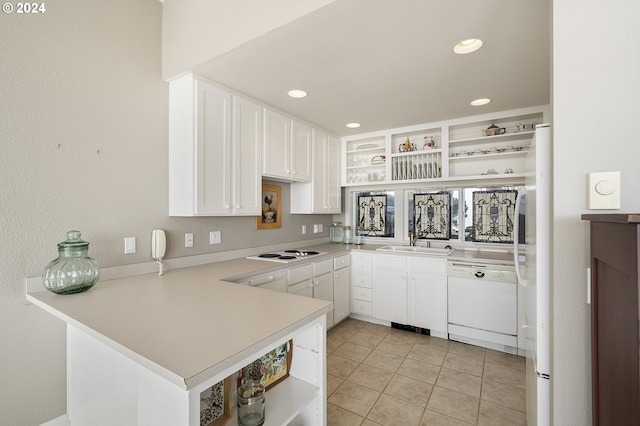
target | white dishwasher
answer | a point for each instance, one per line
(482, 305)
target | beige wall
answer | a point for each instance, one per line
(195, 31)
(84, 77)
(595, 102)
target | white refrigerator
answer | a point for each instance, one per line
(534, 280)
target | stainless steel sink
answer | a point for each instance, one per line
(440, 251)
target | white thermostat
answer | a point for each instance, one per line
(604, 191)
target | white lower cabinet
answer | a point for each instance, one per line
(276, 281)
(407, 290)
(323, 289)
(390, 288)
(342, 270)
(427, 295)
(300, 281)
(361, 283)
(323, 284)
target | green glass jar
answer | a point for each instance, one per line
(73, 271)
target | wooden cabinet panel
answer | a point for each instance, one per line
(615, 318)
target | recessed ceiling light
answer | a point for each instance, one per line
(467, 46)
(353, 125)
(297, 93)
(480, 102)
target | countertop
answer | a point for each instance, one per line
(190, 323)
(240, 269)
(187, 325)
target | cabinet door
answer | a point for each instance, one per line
(333, 194)
(427, 301)
(247, 157)
(213, 150)
(301, 152)
(322, 194)
(303, 288)
(320, 165)
(276, 145)
(341, 294)
(390, 295)
(323, 289)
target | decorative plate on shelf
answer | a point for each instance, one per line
(378, 159)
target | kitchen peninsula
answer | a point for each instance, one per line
(141, 349)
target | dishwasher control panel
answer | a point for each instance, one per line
(500, 273)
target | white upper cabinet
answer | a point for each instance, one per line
(247, 157)
(214, 150)
(322, 195)
(301, 149)
(286, 148)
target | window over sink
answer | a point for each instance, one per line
(470, 215)
(375, 214)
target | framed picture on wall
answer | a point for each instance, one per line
(271, 207)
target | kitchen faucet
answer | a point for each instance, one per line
(413, 238)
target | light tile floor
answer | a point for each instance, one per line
(378, 375)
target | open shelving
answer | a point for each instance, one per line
(454, 150)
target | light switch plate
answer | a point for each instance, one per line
(215, 237)
(603, 191)
(129, 245)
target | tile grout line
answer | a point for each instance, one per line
(390, 334)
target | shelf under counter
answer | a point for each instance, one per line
(150, 344)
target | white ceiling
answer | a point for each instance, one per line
(389, 64)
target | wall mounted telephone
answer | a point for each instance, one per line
(158, 247)
(158, 243)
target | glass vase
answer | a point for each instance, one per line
(73, 271)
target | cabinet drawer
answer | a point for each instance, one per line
(391, 262)
(362, 293)
(341, 261)
(322, 267)
(361, 263)
(360, 307)
(362, 280)
(265, 279)
(430, 266)
(299, 274)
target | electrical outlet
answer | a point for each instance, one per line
(129, 245)
(188, 239)
(215, 237)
